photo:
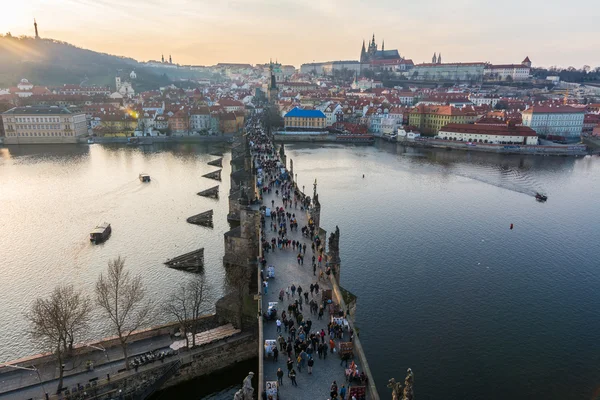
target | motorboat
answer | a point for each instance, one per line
(540, 197)
(144, 178)
(100, 233)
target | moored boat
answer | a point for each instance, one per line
(100, 233)
(144, 178)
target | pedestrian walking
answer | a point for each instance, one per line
(279, 376)
(343, 392)
(293, 290)
(275, 354)
(311, 362)
(299, 363)
(331, 345)
(265, 286)
(293, 378)
(306, 297)
(287, 292)
(290, 365)
(314, 269)
(278, 322)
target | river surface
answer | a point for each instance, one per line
(477, 310)
(52, 196)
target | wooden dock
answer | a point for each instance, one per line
(212, 192)
(204, 219)
(217, 163)
(216, 175)
(191, 262)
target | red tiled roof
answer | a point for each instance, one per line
(553, 109)
(501, 130)
(452, 64)
(507, 66)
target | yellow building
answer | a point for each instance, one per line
(118, 124)
(429, 119)
(299, 119)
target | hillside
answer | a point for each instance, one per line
(52, 63)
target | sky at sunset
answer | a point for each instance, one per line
(204, 32)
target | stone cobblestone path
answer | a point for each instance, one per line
(288, 272)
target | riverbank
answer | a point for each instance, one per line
(147, 140)
(321, 137)
(558, 150)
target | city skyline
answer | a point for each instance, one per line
(254, 31)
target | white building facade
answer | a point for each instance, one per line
(43, 124)
(488, 134)
(515, 72)
(564, 121)
(448, 71)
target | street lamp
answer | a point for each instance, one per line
(32, 368)
(98, 348)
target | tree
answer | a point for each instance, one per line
(186, 305)
(237, 280)
(57, 320)
(123, 300)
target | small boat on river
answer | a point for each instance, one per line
(144, 178)
(541, 197)
(100, 233)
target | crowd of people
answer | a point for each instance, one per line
(301, 343)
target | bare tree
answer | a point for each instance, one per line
(123, 300)
(237, 280)
(186, 305)
(57, 320)
(197, 290)
(178, 305)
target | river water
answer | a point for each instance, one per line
(477, 310)
(52, 196)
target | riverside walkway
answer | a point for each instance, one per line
(288, 271)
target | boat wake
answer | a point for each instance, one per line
(512, 179)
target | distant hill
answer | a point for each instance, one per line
(52, 63)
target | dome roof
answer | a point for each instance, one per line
(24, 80)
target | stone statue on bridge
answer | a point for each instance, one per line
(334, 242)
(246, 392)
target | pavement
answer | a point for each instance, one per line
(288, 272)
(25, 384)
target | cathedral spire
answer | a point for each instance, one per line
(363, 53)
(382, 45)
(162, 58)
(373, 41)
(170, 60)
(434, 59)
(36, 30)
(439, 58)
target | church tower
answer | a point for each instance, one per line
(37, 36)
(170, 60)
(434, 59)
(439, 61)
(383, 45)
(162, 58)
(363, 53)
(372, 48)
(273, 91)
